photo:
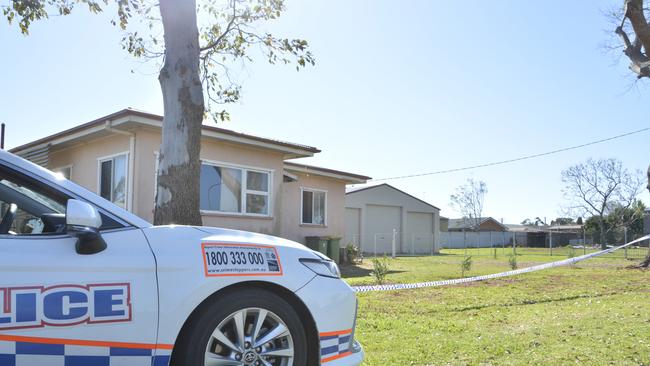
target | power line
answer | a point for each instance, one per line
(525, 157)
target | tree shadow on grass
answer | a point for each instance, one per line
(535, 302)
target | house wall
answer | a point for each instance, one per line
(444, 224)
(284, 219)
(490, 225)
(148, 144)
(292, 228)
(84, 158)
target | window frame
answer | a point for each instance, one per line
(302, 205)
(59, 170)
(102, 159)
(244, 189)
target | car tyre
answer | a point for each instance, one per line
(212, 332)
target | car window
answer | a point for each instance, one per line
(36, 214)
(40, 208)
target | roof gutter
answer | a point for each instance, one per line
(131, 181)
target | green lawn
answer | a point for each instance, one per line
(597, 312)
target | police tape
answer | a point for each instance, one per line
(402, 286)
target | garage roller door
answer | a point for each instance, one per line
(380, 222)
(419, 233)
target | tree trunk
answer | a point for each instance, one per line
(603, 240)
(177, 197)
(646, 262)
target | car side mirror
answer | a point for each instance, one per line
(83, 222)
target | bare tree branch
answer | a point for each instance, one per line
(637, 51)
(599, 188)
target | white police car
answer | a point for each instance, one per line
(85, 283)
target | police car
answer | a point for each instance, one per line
(86, 283)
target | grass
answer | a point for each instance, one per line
(597, 313)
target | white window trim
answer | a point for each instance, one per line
(102, 159)
(244, 169)
(58, 169)
(308, 189)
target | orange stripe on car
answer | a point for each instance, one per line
(335, 357)
(335, 333)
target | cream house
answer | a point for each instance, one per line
(247, 182)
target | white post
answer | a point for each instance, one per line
(375, 245)
(465, 241)
(625, 240)
(492, 245)
(394, 240)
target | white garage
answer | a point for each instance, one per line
(378, 216)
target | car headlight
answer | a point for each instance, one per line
(322, 267)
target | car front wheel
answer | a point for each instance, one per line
(251, 327)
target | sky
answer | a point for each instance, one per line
(399, 88)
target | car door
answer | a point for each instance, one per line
(58, 307)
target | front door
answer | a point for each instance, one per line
(60, 308)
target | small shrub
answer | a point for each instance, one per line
(466, 265)
(380, 268)
(512, 260)
(571, 254)
(352, 253)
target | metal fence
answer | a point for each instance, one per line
(394, 243)
(398, 243)
(507, 243)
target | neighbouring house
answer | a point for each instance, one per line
(547, 235)
(569, 234)
(528, 235)
(247, 182)
(378, 215)
(444, 223)
(484, 224)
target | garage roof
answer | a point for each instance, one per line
(349, 178)
(357, 190)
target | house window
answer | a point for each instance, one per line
(314, 207)
(112, 179)
(235, 190)
(65, 172)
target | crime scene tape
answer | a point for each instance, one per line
(402, 286)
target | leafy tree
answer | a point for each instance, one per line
(563, 221)
(533, 222)
(469, 199)
(598, 187)
(200, 43)
(621, 217)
